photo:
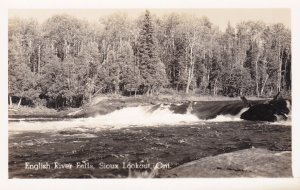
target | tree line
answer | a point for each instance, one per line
(65, 61)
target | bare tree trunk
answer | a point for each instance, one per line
(263, 87)
(33, 65)
(190, 71)
(256, 77)
(66, 48)
(10, 101)
(215, 88)
(76, 47)
(90, 97)
(52, 47)
(188, 82)
(279, 70)
(148, 91)
(208, 84)
(69, 78)
(39, 59)
(19, 102)
(117, 87)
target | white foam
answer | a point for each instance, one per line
(85, 135)
(287, 122)
(145, 116)
(141, 116)
(131, 116)
(228, 117)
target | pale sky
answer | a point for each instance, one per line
(219, 17)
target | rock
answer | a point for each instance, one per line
(273, 110)
(270, 111)
(251, 162)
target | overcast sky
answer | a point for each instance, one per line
(219, 17)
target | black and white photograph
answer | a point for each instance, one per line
(131, 94)
(149, 93)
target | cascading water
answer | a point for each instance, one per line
(156, 115)
(228, 117)
(142, 134)
(145, 116)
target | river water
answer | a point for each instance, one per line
(131, 140)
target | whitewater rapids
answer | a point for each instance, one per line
(130, 116)
(141, 116)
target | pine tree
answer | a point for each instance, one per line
(149, 64)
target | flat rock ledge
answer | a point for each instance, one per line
(253, 162)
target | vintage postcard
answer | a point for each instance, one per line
(149, 93)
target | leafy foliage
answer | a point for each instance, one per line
(66, 61)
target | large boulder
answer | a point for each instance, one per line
(274, 110)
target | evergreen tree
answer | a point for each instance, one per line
(150, 65)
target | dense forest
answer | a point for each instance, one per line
(65, 61)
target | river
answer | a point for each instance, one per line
(132, 142)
